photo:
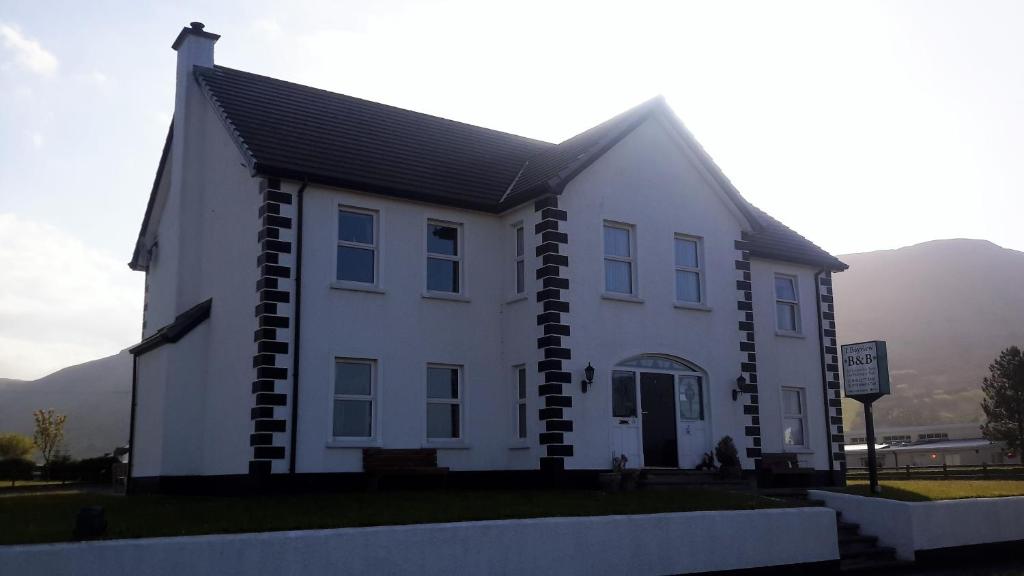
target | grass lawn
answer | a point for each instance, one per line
(6, 485)
(31, 518)
(926, 490)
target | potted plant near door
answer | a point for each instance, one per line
(620, 478)
(728, 458)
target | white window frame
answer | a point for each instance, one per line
(520, 435)
(374, 247)
(794, 303)
(631, 260)
(458, 258)
(372, 398)
(459, 401)
(802, 394)
(519, 259)
(699, 270)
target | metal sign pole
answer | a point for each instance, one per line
(869, 426)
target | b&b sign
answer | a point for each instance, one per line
(865, 369)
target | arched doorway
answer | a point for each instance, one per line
(659, 411)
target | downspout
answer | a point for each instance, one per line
(824, 379)
(297, 334)
(131, 430)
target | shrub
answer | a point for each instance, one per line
(15, 446)
(15, 469)
(728, 458)
(62, 468)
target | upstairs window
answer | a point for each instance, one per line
(619, 259)
(357, 246)
(689, 274)
(520, 258)
(787, 304)
(444, 257)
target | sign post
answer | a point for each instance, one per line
(866, 379)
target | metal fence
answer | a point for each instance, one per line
(944, 471)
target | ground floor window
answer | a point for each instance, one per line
(520, 390)
(794, 417)
(354, 389)
(623, 394)
(444, 402)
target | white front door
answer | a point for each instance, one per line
(691, 428)
(625, 430)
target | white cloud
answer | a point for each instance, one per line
(61, 302)
(28, 53)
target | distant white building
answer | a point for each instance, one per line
(326, 274)
(950, 444)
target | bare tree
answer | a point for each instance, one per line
(49, 434)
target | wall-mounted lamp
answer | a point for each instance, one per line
(741, 385)
(588, 377)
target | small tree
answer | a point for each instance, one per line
(49, 435)
(15, 446)
(1004, 399)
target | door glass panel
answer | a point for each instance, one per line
(691, 400)
(623, 394)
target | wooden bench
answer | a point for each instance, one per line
(379, 462)
(783, 469)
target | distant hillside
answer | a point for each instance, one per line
(946, 308)
(96, 396)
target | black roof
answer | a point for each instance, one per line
(183, 324)
(296, 132)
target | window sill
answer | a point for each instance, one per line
(446, 445)
(519, 447)
(353, 443)
(516, 298)
(446, 296)
(692, 306)
(797, 450)
(357, 287)
(622, 297)
(785, 334)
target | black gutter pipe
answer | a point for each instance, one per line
(296, 325)
(131, 430)
(824, 379)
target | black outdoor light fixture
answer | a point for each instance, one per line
(741, 384)
(588, 377)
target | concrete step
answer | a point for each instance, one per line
(869, 552)
(853, 548)
(862, 565)
(856, 537)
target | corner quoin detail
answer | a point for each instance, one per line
(833, 389)
(272, 338)
(554, 323)
(748, 351)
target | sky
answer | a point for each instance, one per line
(862, 125)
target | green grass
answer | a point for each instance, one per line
(31, 518)
(927, 490)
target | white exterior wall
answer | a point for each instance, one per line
(207, 248)
(789, 361)
(403, 331)
(910, 527)
(676, 543)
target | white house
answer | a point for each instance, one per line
(326, 274)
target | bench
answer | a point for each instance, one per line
(783, 470)
(380, 462)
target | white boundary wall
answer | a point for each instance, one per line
(642, 544)
(912, 526)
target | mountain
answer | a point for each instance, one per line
(946, 309)
(96, 396)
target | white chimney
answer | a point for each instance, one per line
(195, 48)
